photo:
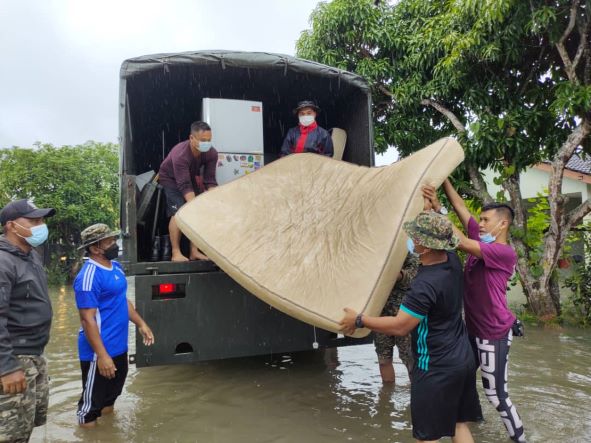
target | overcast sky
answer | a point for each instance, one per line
(59, 74)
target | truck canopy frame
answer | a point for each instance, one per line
(209, 316)
(172, 85)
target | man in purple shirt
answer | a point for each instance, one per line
(489, 266)
(188, 170)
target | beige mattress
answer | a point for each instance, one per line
(310, 235)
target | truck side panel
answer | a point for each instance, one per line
(213, 318)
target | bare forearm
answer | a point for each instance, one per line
(457, 202)
(459, 233)
(93, 336)
(454, 198)
(189, 196)
(467, 244)
(134, 317)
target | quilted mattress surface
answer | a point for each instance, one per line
(310, 235)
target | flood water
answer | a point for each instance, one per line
(308, 398)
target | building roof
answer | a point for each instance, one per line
(576, 163)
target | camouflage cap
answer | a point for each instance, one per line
(432, 230)
(96, 233)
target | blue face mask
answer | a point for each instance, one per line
(488, 237)
(410, 245)
(39, 235)
(204, 146)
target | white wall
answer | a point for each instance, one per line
(534, 181)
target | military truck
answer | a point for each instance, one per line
(195, 310)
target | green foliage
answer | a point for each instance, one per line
(57, 270)
(80, 182)
(493, 63)
(488, 71)
(579, 282)
(474, 208)
(537, 223)
(527, 317)
(538, 219)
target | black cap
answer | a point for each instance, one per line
(306, 104)
(23, 208)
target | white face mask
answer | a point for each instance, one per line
(306, 120)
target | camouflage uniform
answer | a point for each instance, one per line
(20, 413)
(385, 343)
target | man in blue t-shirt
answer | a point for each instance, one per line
(443, 396)
(101, 297)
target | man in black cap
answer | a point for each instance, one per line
(25, 320)
(307, 136)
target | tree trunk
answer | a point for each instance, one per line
(542, 292)
(537, 293)
(554, 289)
(537, 290)
(540, 303)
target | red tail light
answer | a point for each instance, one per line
(167, 288)
(168, 291)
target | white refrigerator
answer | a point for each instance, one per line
(237, 135)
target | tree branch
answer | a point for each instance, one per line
(479, 184)
(575, 216)
(587, 52)
(560, 222)
(568, 65)
(365, 52)
(583, 43)
(512, 186)
(533, 69)
(564, 154)
(587, 70)
(449, 114)
(383, 89)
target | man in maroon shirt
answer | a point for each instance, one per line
(188, 170)
(489, 266)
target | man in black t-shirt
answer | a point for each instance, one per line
(443, 382)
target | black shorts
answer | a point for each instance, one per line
(174, 200)
(99, 392)
(440, 398)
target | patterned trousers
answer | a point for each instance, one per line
(493, 358)
(20, 413)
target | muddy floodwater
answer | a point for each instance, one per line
(311, 397)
